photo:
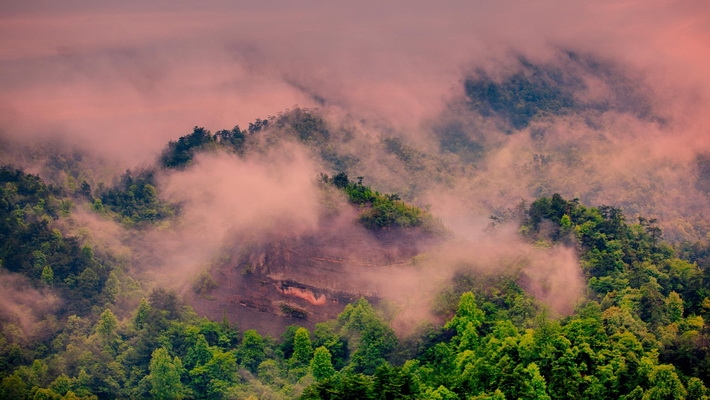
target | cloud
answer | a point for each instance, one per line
(553, 276)
(24, 309)
(224, 198)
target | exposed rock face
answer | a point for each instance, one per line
(273, 282)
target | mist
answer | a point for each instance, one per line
(122, 80)
(551, 275)
(228, 202)
(25, 311)
(117, 82)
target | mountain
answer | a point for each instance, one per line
(533, 240)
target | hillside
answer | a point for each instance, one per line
(538, 231)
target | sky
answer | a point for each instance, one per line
(122, 79)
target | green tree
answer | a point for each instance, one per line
(81, 384)
(270, 372)
(47, 275)
(199, 353)
(107, 325)
(373, 339)
(61, 385)
(321, 365)
(534, 385)
(112, 287)
(164, 376)
(211, 380)
(302, 348)
(106, 328)
(142, 313)
(466, 322)
(653, 304)
(342, 386)
(88, 282)
(325, 335)
(287, 341)
(395, 383)
(45, 394)
(250, 352)
(665, 384)
(674, 307)
(135, 200)
(179, 154)
(13, 387)
(440, 393)
(696, 390)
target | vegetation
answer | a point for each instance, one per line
(135, 201)
(380, 211)
(641, 332)
(179, 154)
(542, 90)
(293, 311)
(304, 125)
(299, 123)
(520, 97)
(454, 139)
(30, 246)
(204, 283)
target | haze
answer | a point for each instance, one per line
(123, 79)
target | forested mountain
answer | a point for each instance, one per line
(639, 333)
(509, 250)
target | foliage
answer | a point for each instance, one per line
(538, 90)
(321, 364)
(164, 376)
(641, 332)
(454, 138)
(305, 125)
(134, 200)
(179, 154)
(293, 311)
(29, 246)
(370, 337)
(520, 97)
(204, 283)
(251, 352)
(302, 348)
(381, 211)
(299, 123)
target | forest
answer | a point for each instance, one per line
(640, 332)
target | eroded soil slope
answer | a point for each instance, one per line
(273, 282)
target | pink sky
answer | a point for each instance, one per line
(123, 80)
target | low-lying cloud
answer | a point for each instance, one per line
(24, 309)
(223, 197)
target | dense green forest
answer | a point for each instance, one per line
(640, 333)
(382, 211)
